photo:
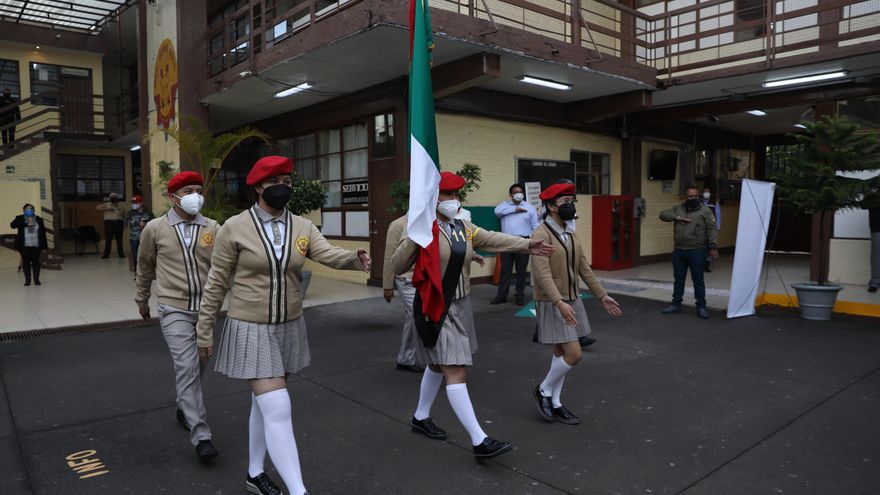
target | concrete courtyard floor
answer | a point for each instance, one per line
(669, 405)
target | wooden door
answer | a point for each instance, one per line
(77, 105)
(384, 171)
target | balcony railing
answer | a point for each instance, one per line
(701, 37)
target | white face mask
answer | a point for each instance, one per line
(449, 208)
(518, 197)
(191, 203)
(707, 195)
(135, 206)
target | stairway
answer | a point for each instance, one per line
(21, 146)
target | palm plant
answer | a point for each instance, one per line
(822, 179)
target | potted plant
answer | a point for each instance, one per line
(399, 190)
(308, 195)
(205, 153)
(819, 182)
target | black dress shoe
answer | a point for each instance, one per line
(702, 313)
(262, 485)
(105, 256)
(37, 282)
(410, 367)
(182, 420)
(872, 288)
(498, 300)
(545, 404)
(206, 451)
(586, 341)
(563, 415)
(671, 309)
(27, 283)
(490, 448)
(428, 428)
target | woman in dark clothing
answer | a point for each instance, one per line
(30, 241)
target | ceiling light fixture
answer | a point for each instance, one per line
(37, 47)
(759, 113)
(544, 82)
(800, 126)
(296, 89)
(135, 147)
(806, 79)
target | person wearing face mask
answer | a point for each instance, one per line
(8, 117)
(518, 218)
(175, 250)
(259, 260)
(30, 241)
(696, 237)
(136, 219)
(446, 345)
(114, 224)
(560, 312)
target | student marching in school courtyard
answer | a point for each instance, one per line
(175, 251)
(559, 309)
(446, 346)
(406, 357)
(258, 259)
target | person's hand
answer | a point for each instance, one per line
(205, 353)
(683, 219)
(478, 259)
(365, 260)
(145, 312)
(540, 248)
(142, 224)
(714, 254)
(521, 210)
(611, 306)
(388, 294)
(567, 312)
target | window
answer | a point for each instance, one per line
(91, 178)
(592, 172)
(338, 158)
(9, 77)
(383, 136)
(780, 159)
(228, 37)
(44, 84)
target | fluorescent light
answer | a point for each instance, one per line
(296, 89)
(759, 113)
(806, 79)
(135, 147)
(544, 82)
(800, 126)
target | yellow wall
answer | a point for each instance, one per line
(162, 20)
(30, 164)
(27, 54)
(13, 195)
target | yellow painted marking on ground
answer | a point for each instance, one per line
(846, 307)
(86, 464)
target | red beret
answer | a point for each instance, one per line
(450, 182)
(137, 198)
(183, 179)
(269, 166)
(557, 190)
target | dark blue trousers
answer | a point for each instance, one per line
(682, 260)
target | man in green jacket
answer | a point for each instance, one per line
(695, 233)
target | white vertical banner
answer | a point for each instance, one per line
(755, 206)
(533, 190)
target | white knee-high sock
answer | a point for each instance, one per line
(558, 369)
(281, 443)
(557, 391)
(461, 404)
(256, 440)
(431, 382)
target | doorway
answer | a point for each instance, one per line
(77, 104)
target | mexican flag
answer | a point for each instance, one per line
(424, 176)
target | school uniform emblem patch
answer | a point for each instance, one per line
(207, 239)
(302, 245)
(470, 233)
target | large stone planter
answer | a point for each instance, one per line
(816, 301)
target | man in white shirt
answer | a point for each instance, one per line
(519, 218)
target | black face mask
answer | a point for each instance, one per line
(567, 211)
(277, 196)
(692, 203)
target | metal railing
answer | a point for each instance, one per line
(706, 36)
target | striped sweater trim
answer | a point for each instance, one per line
(277, 267)
(191, 265)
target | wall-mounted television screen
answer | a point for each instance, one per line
(661, 165)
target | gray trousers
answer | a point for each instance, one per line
(407, 354)
(875, 260)
(179, 329)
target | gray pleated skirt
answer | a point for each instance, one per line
(457, 341)
(260, 350)
(552, 329)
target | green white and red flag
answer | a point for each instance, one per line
(424, 176)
